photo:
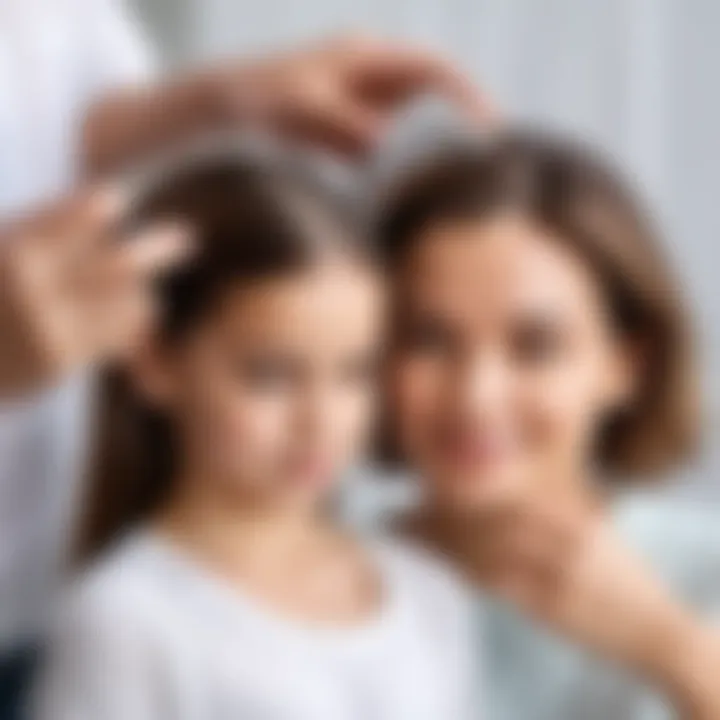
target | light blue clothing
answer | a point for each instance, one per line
(531, 674)
(528, 673)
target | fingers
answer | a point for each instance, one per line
(75, 293)
(134, 260)
(121, 322)
(531, 517)
(85, 218)
(529, 551)
(343, 127)
(347, 90)
(537, 552)
(392, 74)
(340, 94)
(118, 291)
(153, 251)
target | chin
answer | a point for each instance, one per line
(477, 488)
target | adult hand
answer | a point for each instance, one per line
(567, 567)
(72, 292)
(337, 94)
(341, 93)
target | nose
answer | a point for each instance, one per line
(317, 415)
(481, 385)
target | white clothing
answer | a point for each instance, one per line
(149, 635)
(56, 57)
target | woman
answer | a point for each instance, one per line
(541, 359)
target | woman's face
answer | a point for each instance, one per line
(505, 360)
(274, 393)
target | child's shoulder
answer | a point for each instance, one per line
(110, 633)
(119, 589)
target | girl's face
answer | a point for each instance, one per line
(505, 360)
(273, 394)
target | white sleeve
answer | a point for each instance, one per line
(99, 666)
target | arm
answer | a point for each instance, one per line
(688, 666)
(567, 568)
(337, 95)
(127, 124)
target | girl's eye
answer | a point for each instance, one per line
(538, 344)
(362, 371)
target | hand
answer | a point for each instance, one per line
(336, 95)
(341, 93)
(72, 292)
(568, 568)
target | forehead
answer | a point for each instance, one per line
(505, 263)
(328, 305)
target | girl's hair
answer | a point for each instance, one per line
(570, 190)
(251, 220)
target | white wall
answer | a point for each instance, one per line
(640, 76)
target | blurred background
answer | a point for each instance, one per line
(639, 77)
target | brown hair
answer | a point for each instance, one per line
(569, 189)
(251, 220)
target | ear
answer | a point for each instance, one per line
(625, 373)
(152, 373)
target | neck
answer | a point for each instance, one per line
(228, 526)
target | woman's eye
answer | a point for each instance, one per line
(538, 345)
(426, 337)
(267, 374)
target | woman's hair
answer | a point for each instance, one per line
(571, 191)
(250, 220)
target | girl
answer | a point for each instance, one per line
(231, 593)
(541, 359)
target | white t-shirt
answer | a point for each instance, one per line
(56, 58)
(149, 635)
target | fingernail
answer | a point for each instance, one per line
(178, 234)
(180, 231)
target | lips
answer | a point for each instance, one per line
(311, 471)
(476, 449)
